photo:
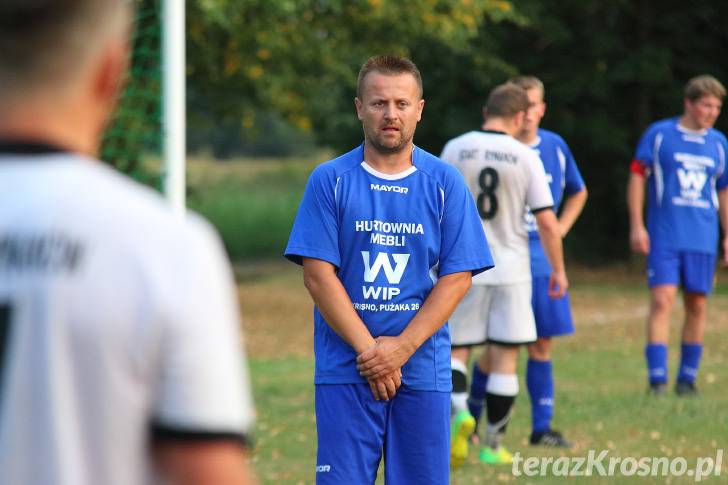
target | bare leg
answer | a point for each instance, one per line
(694, 328)
(662, 298)
(502, 359)
(540, 350)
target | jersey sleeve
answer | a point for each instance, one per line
(464, 246)
(573, 182)
(205, 390)
(315, 232)
(538, 196)
(644, 152)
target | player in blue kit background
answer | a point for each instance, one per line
(683, 160)
(389, 238)
(553, 316)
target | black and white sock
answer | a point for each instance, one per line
(459, 396)
(500, 395)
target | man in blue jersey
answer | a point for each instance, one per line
(376, 228)
(553, 316)
(683, 160)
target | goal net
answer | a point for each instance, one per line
(145, 137)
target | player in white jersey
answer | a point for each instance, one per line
(504, 177)
(120, 355)
(553, 316)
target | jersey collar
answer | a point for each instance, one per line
(683, 129)
(17, 147)
(386, 176)
(359, 152)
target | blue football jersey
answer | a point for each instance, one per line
(564, 179)
(389, 236)
(686, 169)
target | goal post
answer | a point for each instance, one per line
(174, 102)
(145, 138)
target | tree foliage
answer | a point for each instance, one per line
(301, 57)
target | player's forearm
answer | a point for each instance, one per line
(334, 303)
(573, 205)
(723, 218)
(635, 200)
(191, 463)
(550, 235)
(437, 308)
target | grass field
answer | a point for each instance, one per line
(251, 202)
(600, 382)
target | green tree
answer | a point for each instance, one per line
(301, 57)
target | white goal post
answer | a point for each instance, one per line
(174, 102)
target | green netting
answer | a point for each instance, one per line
(133, 140)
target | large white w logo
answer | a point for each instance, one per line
(692, 179)
(382, 261)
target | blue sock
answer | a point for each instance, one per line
(656, 362)
(540, 383)
(476, 400)
(689, 362)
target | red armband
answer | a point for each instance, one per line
(639, 168)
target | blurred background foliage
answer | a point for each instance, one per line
(277, 78)
(300, 59)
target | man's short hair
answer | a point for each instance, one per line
(44, 42)
(506, 101)
(389, 66)
(528, 82)
(705, 85)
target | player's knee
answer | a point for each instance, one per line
(540, 349)
(504, 361)
(695, 303)
(662, 301)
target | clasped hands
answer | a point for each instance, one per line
(381, 365)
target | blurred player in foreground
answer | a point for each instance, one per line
(683, 161)
(374, 228)
(553, 316)
(505, 177)
(120, 354)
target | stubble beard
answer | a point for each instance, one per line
(377, 142)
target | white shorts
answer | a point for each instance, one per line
(498, 314)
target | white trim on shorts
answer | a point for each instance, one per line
(499, 314)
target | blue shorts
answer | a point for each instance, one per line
(553, 317)
(693, 271)
(412, 429)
